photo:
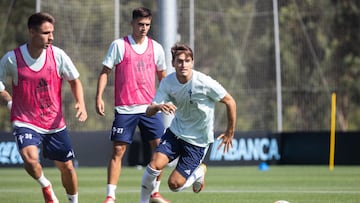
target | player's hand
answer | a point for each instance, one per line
(100, 107)
(168, 108)
(81, 113)
(226, 138)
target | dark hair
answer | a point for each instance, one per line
(37, 19)
(178, 49)
(141, 12)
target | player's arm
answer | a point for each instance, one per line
(161, 74)
(5, 67)
(78, 92)
(5, 96)
(102, 82)
(228, 135)
(167, 108)
(159, 54)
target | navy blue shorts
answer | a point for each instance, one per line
(190, 156)
(124, 126)
(56, 146)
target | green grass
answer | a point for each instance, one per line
(303, 184)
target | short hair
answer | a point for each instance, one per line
(141, 12)
(178, 49)
(37, 19)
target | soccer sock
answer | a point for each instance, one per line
(198, 173)
(110, 190)
(43, 181)
(73, 198)
(157, 187)
(148, 183)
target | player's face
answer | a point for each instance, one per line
(141, 27)
(43, 36)
(183, 65)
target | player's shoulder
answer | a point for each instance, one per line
(201, 76)
(8, 55)
(117, 43)
(156, 44)
(61, 56)
(171, 77)
(58, 50)
(119, 40)
(202, 79)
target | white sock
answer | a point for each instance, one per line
(157, 187)
(148, 183)
(73, 198)
(110, 190)
(43, 181)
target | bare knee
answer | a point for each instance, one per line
(176, 181)
(119, 149)
(174, 185)
(65, 167)
(30, 157)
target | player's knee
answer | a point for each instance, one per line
(31, 164)
(119, 150)
(175, 185)
(65, 167)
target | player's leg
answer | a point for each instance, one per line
(151, 129)
(156, 197)
(199, 178)
(122, 134)
(28, 141)
(114, 169)
(69, 179)
(152, 171)
(57, 147)
(189, 171)
(167, 151)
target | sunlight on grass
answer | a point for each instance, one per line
(303, 184)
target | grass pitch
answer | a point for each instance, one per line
(243, 184)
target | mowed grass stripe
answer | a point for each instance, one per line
(245, 184)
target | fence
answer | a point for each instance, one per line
(234, 43)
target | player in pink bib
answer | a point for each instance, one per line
(136, 60)
(37, 70)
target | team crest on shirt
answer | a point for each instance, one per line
(49, 69)
(190, 94)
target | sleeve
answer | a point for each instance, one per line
(66, 67)
(161, 95)
(159, 56)
(215, 90)
(115, 53)
(7, 67)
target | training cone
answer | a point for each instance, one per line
(263, 166)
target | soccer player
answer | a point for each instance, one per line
(136, 60)
(191, 96)
(37, 69)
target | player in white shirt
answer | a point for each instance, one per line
(191, 96)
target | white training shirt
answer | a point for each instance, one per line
(195, 102)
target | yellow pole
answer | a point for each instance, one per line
(332, 131)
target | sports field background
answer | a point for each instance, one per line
(302, 184)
